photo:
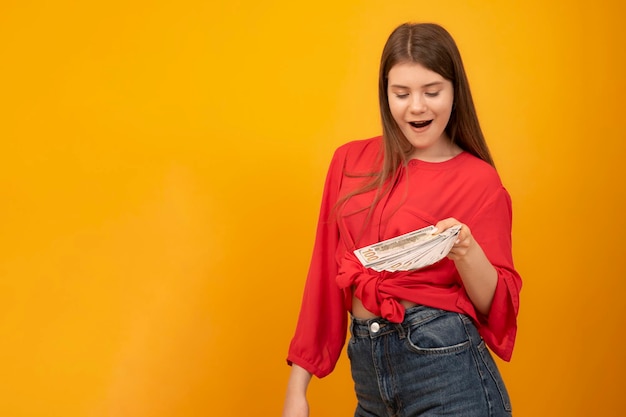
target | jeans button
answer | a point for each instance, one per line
(374, 327)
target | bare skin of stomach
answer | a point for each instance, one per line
(360, 312)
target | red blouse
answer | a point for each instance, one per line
(463, 187)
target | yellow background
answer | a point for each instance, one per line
(161, 169)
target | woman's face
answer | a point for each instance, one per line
(421, 101)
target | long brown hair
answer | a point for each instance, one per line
(431, 46)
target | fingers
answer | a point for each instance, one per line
(464, 234)
(449, 222)
(464, 238)
(446, 223)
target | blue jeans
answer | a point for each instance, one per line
(434, 363)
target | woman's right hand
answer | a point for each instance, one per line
(296, 404)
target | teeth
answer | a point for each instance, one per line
(420, 124)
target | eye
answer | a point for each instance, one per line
(433, 94)
(402, 95)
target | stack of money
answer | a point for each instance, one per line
(413, 250)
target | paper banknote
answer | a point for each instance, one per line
(412, 250)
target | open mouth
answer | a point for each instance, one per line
(420, 124)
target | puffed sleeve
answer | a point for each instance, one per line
(491, 227)
(322, 324)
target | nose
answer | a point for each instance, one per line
(418, 104)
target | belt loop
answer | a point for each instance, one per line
(351, 327)
(401, 331)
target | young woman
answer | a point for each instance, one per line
(418, 337)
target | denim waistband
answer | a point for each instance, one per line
(378, 326)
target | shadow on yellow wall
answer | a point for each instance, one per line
(161, 172)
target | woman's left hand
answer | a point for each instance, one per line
(464, 239)
(478, 274)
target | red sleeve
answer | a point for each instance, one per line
(491, 227)
(322, 324)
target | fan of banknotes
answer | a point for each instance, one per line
(410, 251)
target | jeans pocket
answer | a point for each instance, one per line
(494, 373)
(440, 334)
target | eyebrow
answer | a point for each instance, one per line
(434, 83)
